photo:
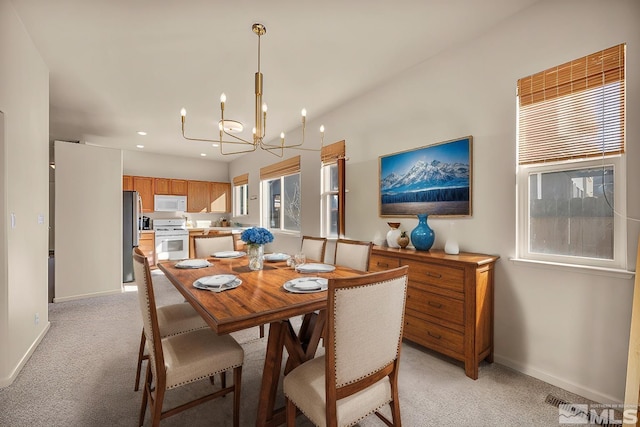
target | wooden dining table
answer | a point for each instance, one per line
(259, 300)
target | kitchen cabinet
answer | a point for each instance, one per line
(127, 183)
(144, 186)
(175, 187)
(198, 196)
(449, 305)
(202, 196)
(220, 197)
(147, 244)
(179, 187)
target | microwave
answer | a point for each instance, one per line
(163, 203)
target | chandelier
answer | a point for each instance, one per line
(227, 128)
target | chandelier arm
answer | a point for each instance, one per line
(242, 141)
(238, 152)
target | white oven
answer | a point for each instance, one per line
(172, 239)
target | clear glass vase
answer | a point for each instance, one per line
(256, 256)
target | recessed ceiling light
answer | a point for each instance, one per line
(215, 144)
(203, 154)
(142, 133)
(140, 146)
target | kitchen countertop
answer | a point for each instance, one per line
(234, 230)
(147, 231)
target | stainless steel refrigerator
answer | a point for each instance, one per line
(131, 226)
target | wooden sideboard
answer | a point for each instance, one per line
(449, 301)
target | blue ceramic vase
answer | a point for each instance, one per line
(422, 236)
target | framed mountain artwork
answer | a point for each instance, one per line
(435, 179)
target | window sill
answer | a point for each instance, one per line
(585, 269)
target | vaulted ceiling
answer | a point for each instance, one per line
(118, 67)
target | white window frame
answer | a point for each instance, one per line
(325, 202)
(619, 260)
(241, 194)
(265, 205)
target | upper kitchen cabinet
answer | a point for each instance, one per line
(127, 183)
(198, 196)
(175, 187)
(144, 186)
(220, 197)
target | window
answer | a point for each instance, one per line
(332, 191)
(281, 195)
(241, 195)
(571, 178)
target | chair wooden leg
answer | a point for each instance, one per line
(223, 379)
(261, 331)
(141, 357)
(291, 413)
(157, 406)
(237, 381)
(143, 405)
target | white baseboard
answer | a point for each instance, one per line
(82, 296)
(7, 381)
(578, 389)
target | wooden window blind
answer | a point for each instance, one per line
(241, 179)
(331, 153)
(575, 110)
(285, 167)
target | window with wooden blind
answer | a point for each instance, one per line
(333, 189)
(571, 144)
(281, 195)
(241, 195)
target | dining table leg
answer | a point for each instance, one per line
(300, 349)
(271, 375)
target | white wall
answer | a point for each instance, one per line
(563, 326)
(162, 166)
(88, 221)
(24, 155)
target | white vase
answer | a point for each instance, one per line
(451, 245)
(392, 236)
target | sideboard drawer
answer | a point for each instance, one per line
(451, 310)
(381, 263)
(437, 275)
(434, 336)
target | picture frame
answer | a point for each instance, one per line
(433, 179)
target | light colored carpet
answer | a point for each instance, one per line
(82, 374)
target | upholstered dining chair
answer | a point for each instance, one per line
(173, 319)
(207, 244)
(181, 359)
(358, 374)
(353, 254)
(313, 248)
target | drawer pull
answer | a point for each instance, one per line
(436, 336)
(436, 275)
(383, 264)
(435, 304)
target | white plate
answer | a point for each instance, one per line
(215, 281)
(193, 263)
(315, 268)
(306, 285)
(228, 254)
(276, 257)
(231, 285)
